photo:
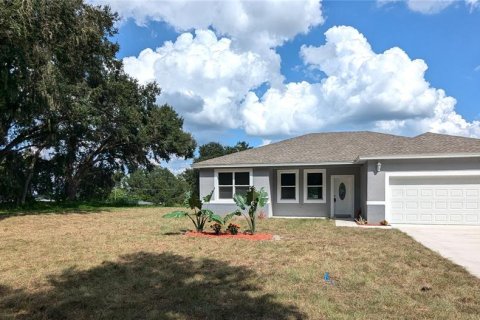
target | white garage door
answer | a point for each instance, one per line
(435, 200)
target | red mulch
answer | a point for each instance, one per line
(256, 236)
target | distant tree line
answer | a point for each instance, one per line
(160, 186)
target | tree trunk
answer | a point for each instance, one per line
(71, 189)
(31, 171)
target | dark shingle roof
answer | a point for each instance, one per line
(346, 147)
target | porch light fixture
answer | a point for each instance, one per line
(379, 166)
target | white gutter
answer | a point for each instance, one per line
(253, 165)
(420, 156)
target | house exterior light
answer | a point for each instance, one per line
(379, 166)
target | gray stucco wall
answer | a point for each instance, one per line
(376, 180)
(363, 190)
(302, 209)
(261, 179)
(267, 178)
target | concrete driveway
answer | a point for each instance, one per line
(460, 244)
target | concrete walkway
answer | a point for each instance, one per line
(353, 224)
(460, 244)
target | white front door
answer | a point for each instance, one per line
(342, 195)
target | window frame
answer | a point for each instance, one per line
(233, 171)
(279, 186)
(324, 185)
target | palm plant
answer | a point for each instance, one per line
(248, 204)
(198, 215)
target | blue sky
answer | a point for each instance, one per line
(264, 71)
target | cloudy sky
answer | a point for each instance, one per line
(261, 71)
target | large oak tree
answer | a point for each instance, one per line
(65, 99)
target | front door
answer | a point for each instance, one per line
(343, 196)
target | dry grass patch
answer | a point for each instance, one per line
(132, 263)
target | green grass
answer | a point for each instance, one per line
(133, 264)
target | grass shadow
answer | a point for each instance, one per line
(150, 286)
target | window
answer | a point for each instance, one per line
(287, 186)
(230, 182)
(314, 185)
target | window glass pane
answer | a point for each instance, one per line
(288, 193)
(287, 179)
(314, 193)
(314, 179)
(242, 178)
(225, 178)
(225, 192)
(241, 190)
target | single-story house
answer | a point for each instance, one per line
(428, 179)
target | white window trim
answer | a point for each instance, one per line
(324, 186)
(279, 187)
(233, 171)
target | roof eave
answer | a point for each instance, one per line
(256, 165)
(419, 156)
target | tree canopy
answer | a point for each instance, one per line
(69, 114)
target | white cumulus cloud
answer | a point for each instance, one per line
(361, 90)
(251, 24)
(203, 77)
(431, 6)
(428, 6)
(473, 4)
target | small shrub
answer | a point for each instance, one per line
(217, 228)
(358, 214)
(361, 221)
(384, 223)
(233, 228)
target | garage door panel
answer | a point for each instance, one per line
(471, 204)
(455, 205)
(426, 217)
(426, 205)
(441, 193)
(426, 192)
(441, 217)
(441, 204)
(456, 193)
(410, 192)
(435, 200)
(472, 218)
(472, 193)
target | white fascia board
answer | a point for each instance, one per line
(211, 166)
(420, 156)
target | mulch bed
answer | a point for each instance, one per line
(256, 236)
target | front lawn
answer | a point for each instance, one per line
(133, 264)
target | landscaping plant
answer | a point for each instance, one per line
(199, 216)
(217, 228)
(361, 221)
(233, 228)
(248, 205)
